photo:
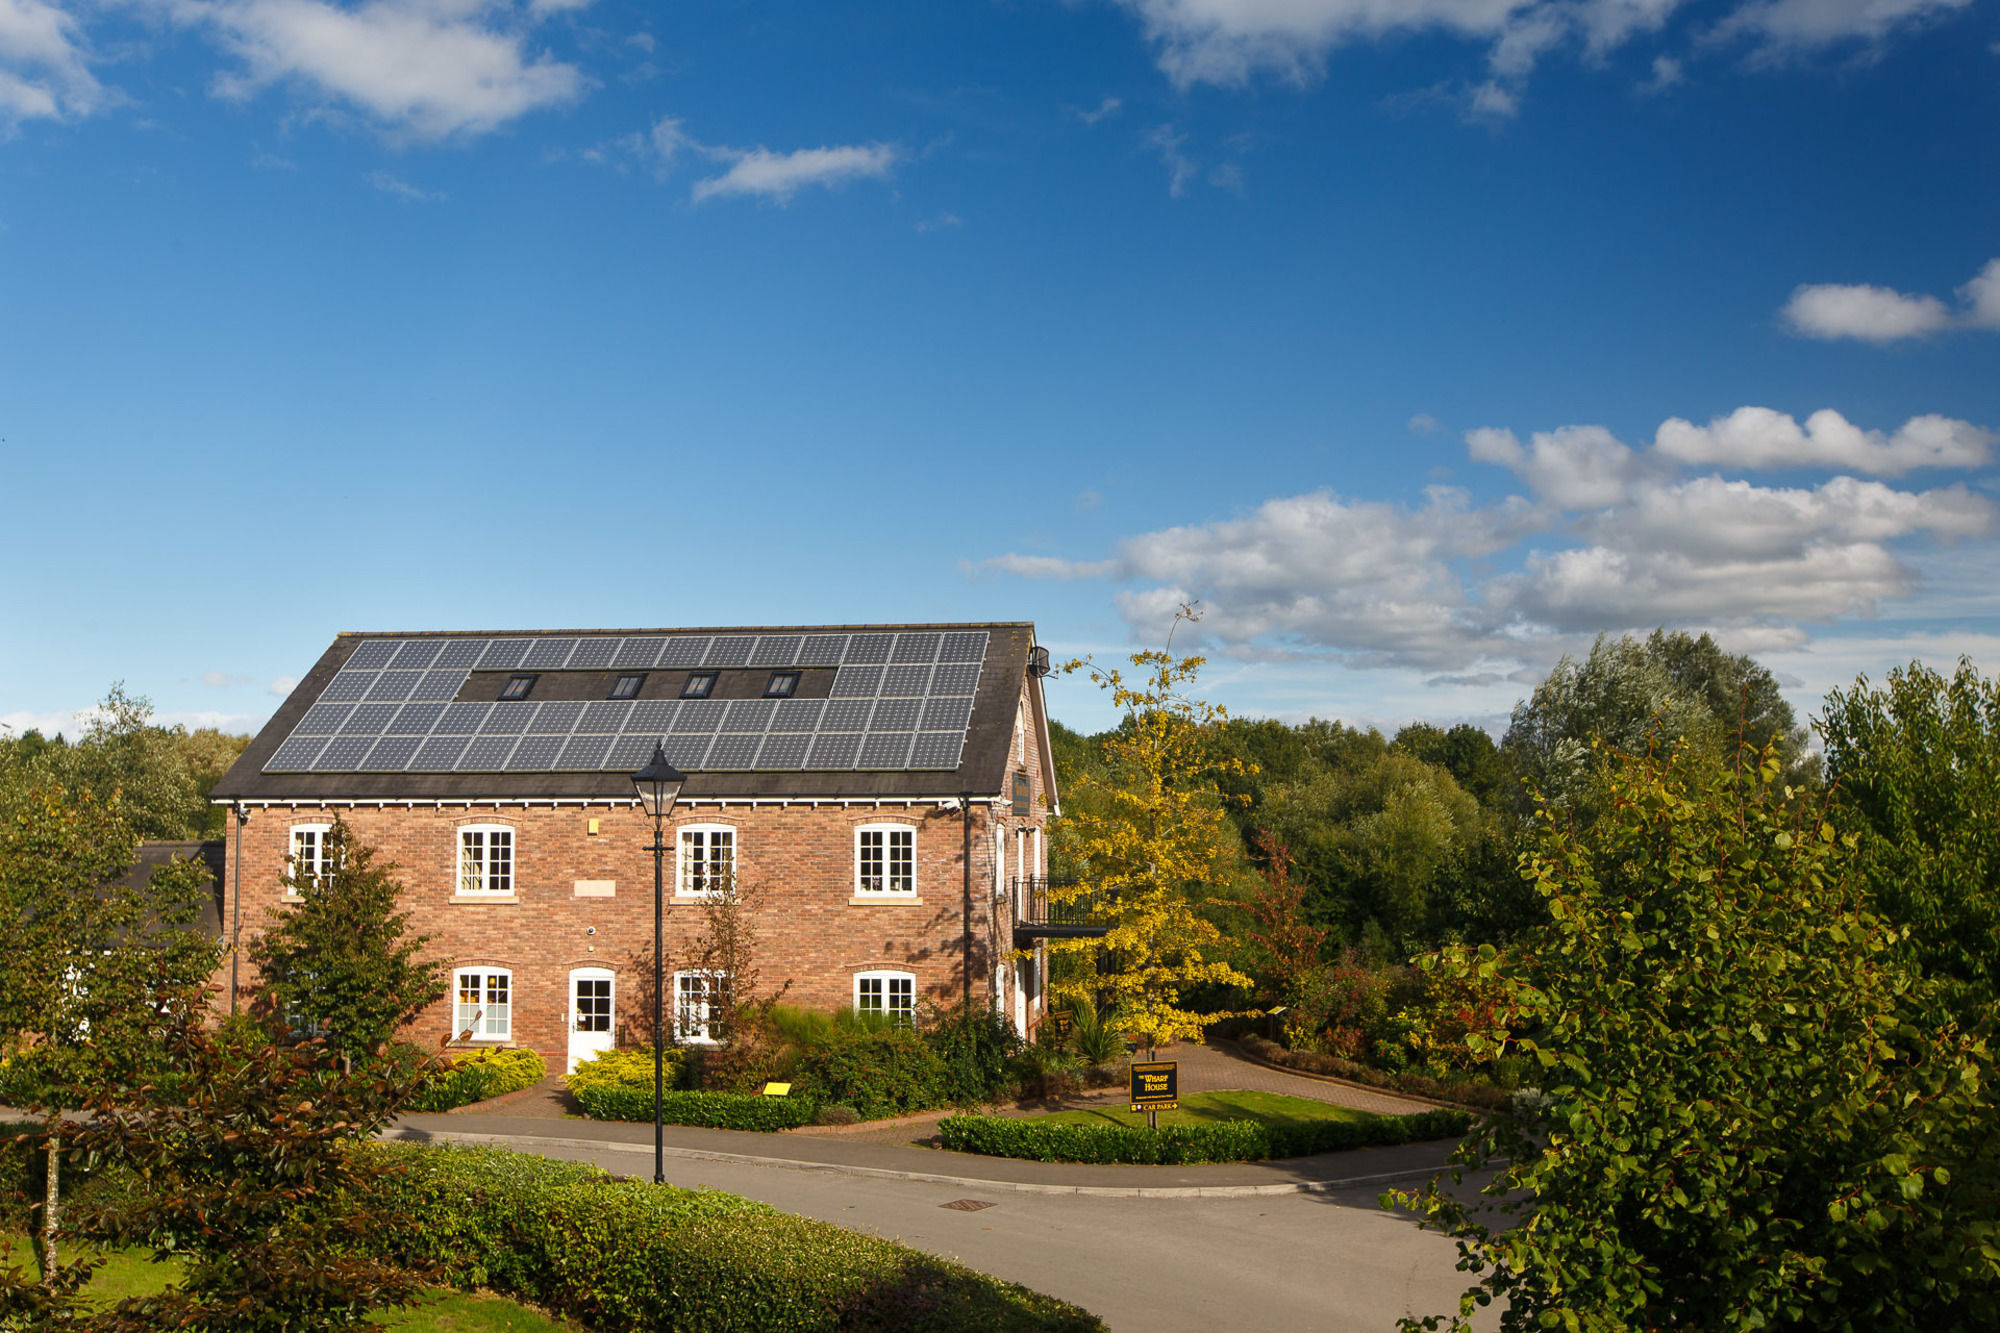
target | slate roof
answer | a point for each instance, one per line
(330, 739)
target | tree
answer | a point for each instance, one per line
(338, 964)
(1754, 1114)
(1464, 751)
(1916, 773)
(1148, 836)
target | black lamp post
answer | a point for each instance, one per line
(659, 784)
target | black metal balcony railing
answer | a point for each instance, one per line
(1038, 915)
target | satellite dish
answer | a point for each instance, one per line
(1038, 661)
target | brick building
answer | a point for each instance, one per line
(838, 772)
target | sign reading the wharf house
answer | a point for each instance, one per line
(1155, 1085)
(1061, 1021)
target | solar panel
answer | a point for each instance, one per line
(963, 647)
(508, 719)
(558, 716)
(896, 715)
(906, 680)
(296, 755)
(955, 678)
(414, 719)
(347, 686)
(391, 753)
(459, 655)
(370, 719)
(605, 716)
(749, 714)
(548, 654)
(685, 651)
(643, 654)
(783, 751)
(947, 714)
(655, 717)
(687, 752)
(438, 755)
(916, 648)
(394, 684)
(416, 654)
(593, 654)
(503, 654)
(833, 751)
(322, 719)
(734, 751)
(344, 753)
(798, 715)
(729, 650)
(372, 655)
(462, 719)
(485, 754)
(846, 715)
(937, 749)
(869, 648)
(535, 753)
(439, 685)
(822, 650)
(584, 753)
(885, 749)
(698, 715)
(630, 753)
(852, 681)
(776, 650)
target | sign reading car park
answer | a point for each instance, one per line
(1155, 1085)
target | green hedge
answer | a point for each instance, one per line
(1467, 1092)
(886, 1072)
(621, 1255)
(629, 1069)
(477, 1075)
(1177, 1145)
(712, 1110)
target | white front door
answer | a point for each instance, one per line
(591, 1018)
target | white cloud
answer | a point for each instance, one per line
(402, 189)
(1667, 73)
(282, 685)
(1170, 146)
(223, 680)
(942, 222)
(427, 69)
(1110, 106)
(1814, 23)
(1226, 41)
(1757, 437)
(43, 74)
(780, 175)
(1884, 315)
(1423, 423)
(1574, 467)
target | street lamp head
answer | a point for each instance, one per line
(659, 783)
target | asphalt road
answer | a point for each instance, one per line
(1324, 1261)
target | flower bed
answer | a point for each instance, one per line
(478, 1075)
(1177, 1145)
(1482, 1095)
(712, 1110)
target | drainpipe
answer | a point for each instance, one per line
(965, 822)
(236, 910)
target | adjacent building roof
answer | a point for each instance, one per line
(803, 711)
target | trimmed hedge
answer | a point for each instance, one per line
(621, 1255)
(629, 1069)
(1180, 1145)
(712, 1110)
(1482, 1095)
(477, 1075)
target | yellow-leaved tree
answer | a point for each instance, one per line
(1149, 838)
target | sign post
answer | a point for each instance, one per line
(1155, 1087)
(1061, 1021)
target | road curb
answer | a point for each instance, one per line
(926, 1177)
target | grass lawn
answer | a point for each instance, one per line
(1207, 1108)
(132, 1272)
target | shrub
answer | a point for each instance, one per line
(884, 1073)
(710, 1110)
(1466, 1092)
(621, 1255)
(1093, 1037)
(1177, 1145)
(628, 1069)
(978, 1055)
(477, 1075)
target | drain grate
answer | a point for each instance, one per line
(966, 1205)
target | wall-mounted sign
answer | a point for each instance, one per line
(1156, 1085)
(1022, 805)
(1062, 1020)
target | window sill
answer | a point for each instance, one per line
(485, 898)
(695, 897)
(885, 900)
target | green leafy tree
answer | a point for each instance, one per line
(60, 850)
(1916, 768)
(340, 963)
(1148, 838)
(1467, 753)
(1753, 1114)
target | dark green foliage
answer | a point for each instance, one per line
(1467, 753)
(886, 1073)
(624, 1256)
(338, 963)
(1177, 1145)
(711, 1110)
(1917, 771)
(477, 1076)
(1467, 1093)
(978, 1053)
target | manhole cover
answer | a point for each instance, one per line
(967, 1205)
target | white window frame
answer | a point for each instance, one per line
(705, 986)
(887, 990)
(886, 885)
(475, 875)
(296, 858)
(487, 1026)
(707, 882)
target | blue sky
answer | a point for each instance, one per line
(1420, 340)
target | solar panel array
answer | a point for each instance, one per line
(900, 700)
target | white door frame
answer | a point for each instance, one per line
(582, 1044)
